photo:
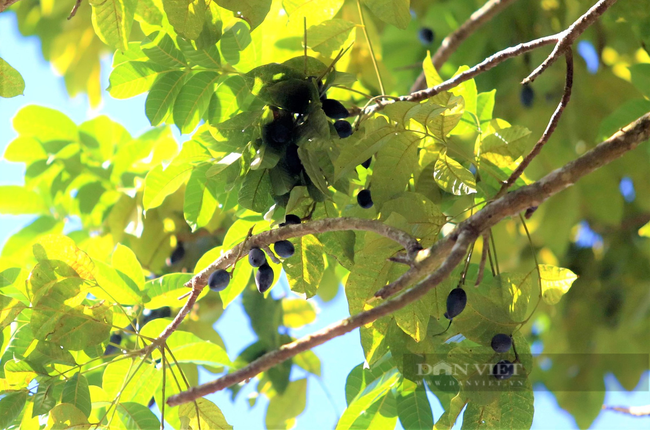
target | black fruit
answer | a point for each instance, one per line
(177, 255)
(219, 280)
(504, 369)
(256, 257)
(501, 342)
(527, 96)
(343, 128)
(264, 278)
(456, 301)
(366, 163)
(291, 219)
(334, 109)
(284, 248)
(426, 36)
(292, 159)
(278, 132)
(364, 199)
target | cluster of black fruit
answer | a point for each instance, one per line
(504, 369)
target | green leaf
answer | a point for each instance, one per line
(309, 361)
(310, 162)
(232, 95)
(423, 216)
(112, 20)
(24, 150)
(193, 100)
(135, 416)
(200, 198)
(162, 96)
(133, 78)
(128, 266)
(305, 268)
(11, 83)
(622, 116)
(504, 146)
(161, 49)
(329, 37)
(297, 313)
(18, 200)
(356, 151)
(366, 398)
(382, 414)
(556, 281)
(339, 244)
(453, 177)
(186, 16)
(396, 12)
(430, 73)
(394, 165)
(255, 193)
(283, 408)
(236, 38)
(46, 397)
(640, 74)
(485, 106)
(115, 286)
(160, 183)
(316, 11)
(209, 416)
(166, 290)
(67, 416)
(76, 392)
(18, 374)
(513, 410)
(45, 124)
(11, 405)
(516, 291)
(252, 11)
(144, 380)
(413, 407)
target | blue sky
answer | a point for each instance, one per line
(338, 357)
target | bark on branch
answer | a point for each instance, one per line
(455, 245)
(4, 4)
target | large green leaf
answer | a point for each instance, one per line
(504, 146)
(255, 193)
(11, 83)
(76, 392)
(45, 124)
(316, 11)
(166, 290)
(66, 416)
(133, 78)
(127, 265)
(202, 414)
(193, 100)
(135, 378)
(413, 407)
(11, 405)
(200, 197)
(112, 20)
(18, 200)
(162, 96)
(356, 151)
(160, 48)
(115, 286)
(186, 16)
(396, 12)
(136, 416)
(556, 281)
(286, 406)
(453, 177)
(330, 36)
(160, 183)
(305, 268)
(252, 11)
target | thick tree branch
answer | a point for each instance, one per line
(550, 128)
(262, 240)
(570, 35)
(457, 244)
(453, 40)
(4, 4)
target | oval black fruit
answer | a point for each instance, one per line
(456, 301)
(504, 369)
(284, 248)
(219, 280)
(334, 109)
(264, 278)
(527, 96)
(426, 36)
(343, 128)
(501, 342)
(256, 257)
(291, 219)
(278, 132)
(364, 199)
(366, 163)
(177, 254)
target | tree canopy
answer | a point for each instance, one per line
(453, 164)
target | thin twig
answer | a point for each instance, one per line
(635, 411)
(271, 254)
(623, 141)
(569, 36)
(550, 128)
(73, 12)
(454, 40)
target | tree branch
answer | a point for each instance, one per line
(453, 40)
(569, 36)
(635, 411)
(4, 4)
(262, 240)
(550, 128)
(465, 233)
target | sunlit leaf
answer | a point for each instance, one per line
(193, 100)
(75, 392)
(112, 20)
(133, 78)
(394, 12)
(202, 414)
(12, 83)
(556, 281)
(186, 16)
(453, 177)
(305, 268)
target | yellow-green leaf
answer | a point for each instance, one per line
(556, 281)
(11, 83)
(112, 20)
